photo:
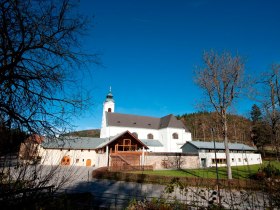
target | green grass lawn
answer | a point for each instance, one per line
(238, 172)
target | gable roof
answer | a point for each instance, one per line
(152, 142)
(71, 142)
(219, 145)
(170, 121)
(136, 121)
(105, 143)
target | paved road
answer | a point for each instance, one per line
(116, 194)
(109, 193)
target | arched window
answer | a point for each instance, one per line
(109, 110)
(65, 160)
(135, 134)
(175, 136)
(150, 136)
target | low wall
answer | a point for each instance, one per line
(130, 168)
(165, 160)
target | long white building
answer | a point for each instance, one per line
(132, 141)
(209, 153)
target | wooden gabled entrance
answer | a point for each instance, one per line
(125, 152)
(125, 155)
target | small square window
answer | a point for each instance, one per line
(77, 160)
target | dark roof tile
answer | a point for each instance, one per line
(136, 121)
(219, 145)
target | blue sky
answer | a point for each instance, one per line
(149, 50)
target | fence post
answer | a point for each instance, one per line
(116, 200)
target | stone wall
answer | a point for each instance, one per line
(172, 160)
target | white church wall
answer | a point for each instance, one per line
(104, 132)
(164, 140)
(142, 132)
(155, 149)
(108, 106)
(187, 136)
(176, 144)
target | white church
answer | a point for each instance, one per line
(165, 134)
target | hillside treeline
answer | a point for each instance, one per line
(206, 126)
(95, 133)
(261, 130)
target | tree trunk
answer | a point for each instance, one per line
(225, 132)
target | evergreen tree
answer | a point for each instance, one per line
(256, 114)
(260, 129)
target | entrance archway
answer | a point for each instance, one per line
(88, 163)
(65, 161)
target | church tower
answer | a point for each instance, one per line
(108, 106)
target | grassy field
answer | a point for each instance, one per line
(238, 172)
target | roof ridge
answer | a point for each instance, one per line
(133, 115)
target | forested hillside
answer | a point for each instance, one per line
(201, 124)
(86, 133)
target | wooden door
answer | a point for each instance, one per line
(65, 160)
(88, 162)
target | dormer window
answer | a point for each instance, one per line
(150, 136)
(109, 110)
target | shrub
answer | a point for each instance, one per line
(271, 171)
(267, 171)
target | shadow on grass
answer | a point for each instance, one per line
(189, 172)
(205, 173)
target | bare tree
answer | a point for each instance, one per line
(221, 80)
(40, 54)
(271, 103)
(40, 67)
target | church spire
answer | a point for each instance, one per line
(108, 106)
(109, 96)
